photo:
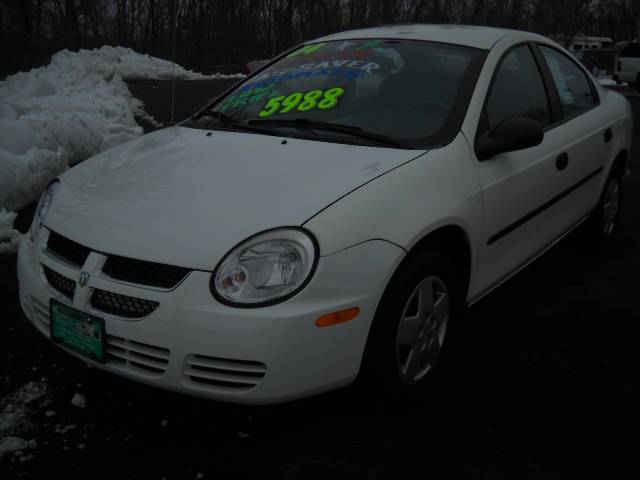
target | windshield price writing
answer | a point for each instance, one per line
(303, 102)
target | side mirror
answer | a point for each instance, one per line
(516, 133)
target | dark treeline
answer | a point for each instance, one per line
(216, 32)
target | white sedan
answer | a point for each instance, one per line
(329, 217)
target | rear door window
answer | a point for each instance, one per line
(573, 85)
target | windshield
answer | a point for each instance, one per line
(412, 92)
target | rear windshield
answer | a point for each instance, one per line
(411, 91)
(632, 50)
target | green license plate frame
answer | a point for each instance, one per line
(77, 331)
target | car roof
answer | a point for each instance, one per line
(466, 35)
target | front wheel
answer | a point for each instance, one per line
(409, 340)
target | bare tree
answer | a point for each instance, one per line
(214, 32)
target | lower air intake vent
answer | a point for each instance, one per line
(58, 282)
(122, 305)
(223, 374)
(141, 358)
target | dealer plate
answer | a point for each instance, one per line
(78, 331)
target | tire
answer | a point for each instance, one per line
(603, 222)
(409, 342)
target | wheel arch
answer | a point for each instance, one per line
(622, 160)
(454, 243)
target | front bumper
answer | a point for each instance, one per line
(192, 344)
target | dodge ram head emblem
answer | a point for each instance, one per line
(84, 279)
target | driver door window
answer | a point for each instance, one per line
(517, 90)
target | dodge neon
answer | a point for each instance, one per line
(329, 217)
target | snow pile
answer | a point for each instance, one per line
(58, 115)
(16, 445)
(607, 81)
(9, 237)
(61, 114)
(130, 65)
(15, 417)
(78, 400)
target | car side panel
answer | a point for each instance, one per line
(584, 137)
(516, 186)
(442, 188)
(588, 151)
(437, 189)
(619, 118)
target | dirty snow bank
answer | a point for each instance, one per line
(131, 65)
(16, 445)
(61, 114)
(16, 411)
(607, 81)
(9, 237)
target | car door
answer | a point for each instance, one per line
(586, 136)
(520, 188)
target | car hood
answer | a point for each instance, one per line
(185, 196)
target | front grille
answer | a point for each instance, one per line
(141, 358)
(223, 374)
(58, 282)
(121, 305)
(145, 273)
(119, 268)
(68, 250)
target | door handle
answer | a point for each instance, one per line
(562, 161)
(607, 135)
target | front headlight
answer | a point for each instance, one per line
(42, 209)
(265, 269)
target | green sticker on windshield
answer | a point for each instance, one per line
(303, 102)
(306, 50)
(247, 97)
(370, 44)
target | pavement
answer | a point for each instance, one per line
(545, 385)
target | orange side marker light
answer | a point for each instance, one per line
(337, 317)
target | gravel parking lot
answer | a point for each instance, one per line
(545, 386)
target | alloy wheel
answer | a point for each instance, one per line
(422, 329)
(611, 206)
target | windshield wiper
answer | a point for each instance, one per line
(206, 118)
(334, 127)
